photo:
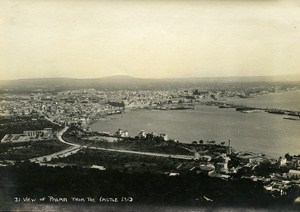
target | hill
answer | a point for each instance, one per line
(131, 83)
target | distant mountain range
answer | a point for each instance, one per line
(127, 82)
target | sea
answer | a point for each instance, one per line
(259, 132)
(282, 100)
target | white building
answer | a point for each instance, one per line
(121, 133)
(142, 134)
(47, 132)
(164, 136)
(294, 174)
(282, 161)
(102, 168)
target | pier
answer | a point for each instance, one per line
(243, 108)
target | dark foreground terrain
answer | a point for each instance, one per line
(59, 187)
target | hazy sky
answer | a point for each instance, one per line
(89, 38)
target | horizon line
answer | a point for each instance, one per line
(129, 76)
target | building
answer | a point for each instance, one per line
(151, 135)
(295, 174)
(121, 133)
(296, 161)
(125, 133)
(249, 157)
(48, 132)
(229, 148)
(203, 158)
(6, 138)
(173, 174)
(281, 161)
(142, 134)
(32, 133)
(102, 168)
(222, 167)
(206, 168)
(196, 156)
(45, 133)
(164, 136)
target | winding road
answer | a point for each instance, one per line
(184, 157)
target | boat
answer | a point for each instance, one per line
(244, 96)
(226, 106)
(251, 111)
(243, 108)
(281, 112)
(294, 118)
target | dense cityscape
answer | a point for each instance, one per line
(52, 130)
(87, 105)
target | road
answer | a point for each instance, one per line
(60, 154)
(74, 148)
(59, 136)
(45, 117)
(184, 157)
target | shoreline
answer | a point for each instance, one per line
(232, 100)
(133, 109)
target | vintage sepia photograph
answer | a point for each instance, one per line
(149, 105)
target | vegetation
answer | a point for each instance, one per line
(120, 161)
(27, 150)
(148, 144)
(145, 188)
(17, 124)
(135, 144)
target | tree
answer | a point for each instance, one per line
(288, 156)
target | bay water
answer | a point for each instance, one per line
(258, 132)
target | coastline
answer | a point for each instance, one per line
(212, 113)
(245, 101)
